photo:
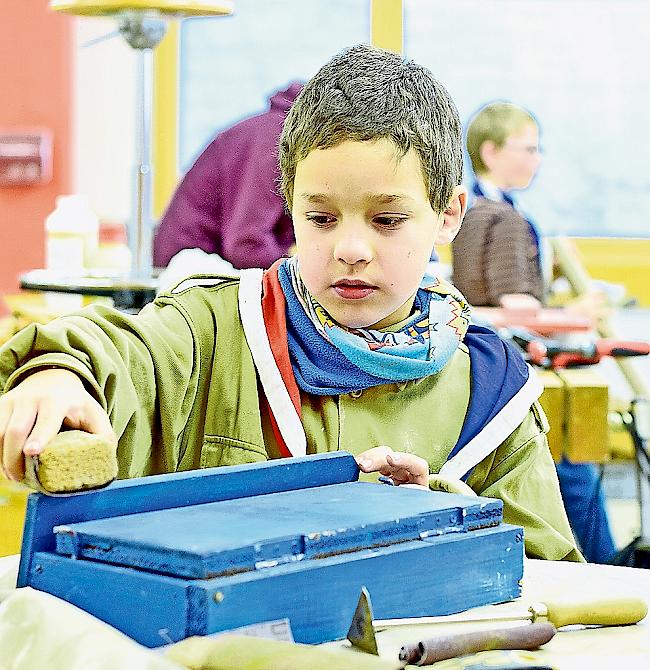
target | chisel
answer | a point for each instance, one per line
(557, 613)
(598, 611)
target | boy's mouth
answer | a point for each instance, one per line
(353, 289)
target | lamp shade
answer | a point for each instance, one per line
(168, 7)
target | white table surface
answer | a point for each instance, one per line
(613, 648)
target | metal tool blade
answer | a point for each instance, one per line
(462, 617)
(363, 627)
(361, 632)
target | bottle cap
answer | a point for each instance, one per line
(76, 200)
(112, 232)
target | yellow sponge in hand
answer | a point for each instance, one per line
(72, 461)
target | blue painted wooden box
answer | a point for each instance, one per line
(193, 553)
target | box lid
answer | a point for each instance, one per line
(229, 536)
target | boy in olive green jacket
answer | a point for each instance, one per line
(346, 345)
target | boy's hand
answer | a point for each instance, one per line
(520, 302)
(401, 467)
(33, 412)
(592, 304)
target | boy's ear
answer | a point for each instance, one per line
(487, 151)
(452, 217)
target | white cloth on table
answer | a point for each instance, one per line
(38, 630)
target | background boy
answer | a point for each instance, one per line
(353, 348)
(498, 252)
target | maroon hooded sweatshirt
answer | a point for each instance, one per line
(229, 203)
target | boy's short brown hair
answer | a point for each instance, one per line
(494, 122)
(365, 93)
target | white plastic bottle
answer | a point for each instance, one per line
(70, 242)
(71, 235)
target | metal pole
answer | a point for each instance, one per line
(142, 32)
(141, 237)
(640, 411)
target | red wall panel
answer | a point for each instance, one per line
(35, 90)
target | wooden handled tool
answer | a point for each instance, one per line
(450, 646)
(599, 611)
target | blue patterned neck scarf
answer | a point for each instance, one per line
(330, 359)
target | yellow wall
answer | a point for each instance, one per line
(386, 24)
(13, 500)
(619, 260)
(165, 120)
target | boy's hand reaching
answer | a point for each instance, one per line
(401, 467)
(33, 412)
(593, 304)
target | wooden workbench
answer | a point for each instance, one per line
(615, 648)
(620, 648)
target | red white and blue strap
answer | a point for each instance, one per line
(260, 334)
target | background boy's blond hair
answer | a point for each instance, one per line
(494, 122)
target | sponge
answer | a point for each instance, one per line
(72, 461)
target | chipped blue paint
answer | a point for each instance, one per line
(176, 490)
(208, 540)
(162, 558)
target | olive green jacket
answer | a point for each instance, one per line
(180, 387)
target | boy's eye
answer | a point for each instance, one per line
(389, 221)
(320, 220)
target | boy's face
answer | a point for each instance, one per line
(514, 165)
(365, 230)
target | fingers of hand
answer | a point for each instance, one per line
(5, 414)
(401, 467)
(406, 468)
(48, 423)
(33, 413)
(94, 419)
(18, 426)
(372, 460)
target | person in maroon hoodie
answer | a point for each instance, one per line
(228, 203)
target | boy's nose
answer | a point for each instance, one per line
(351, 247)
